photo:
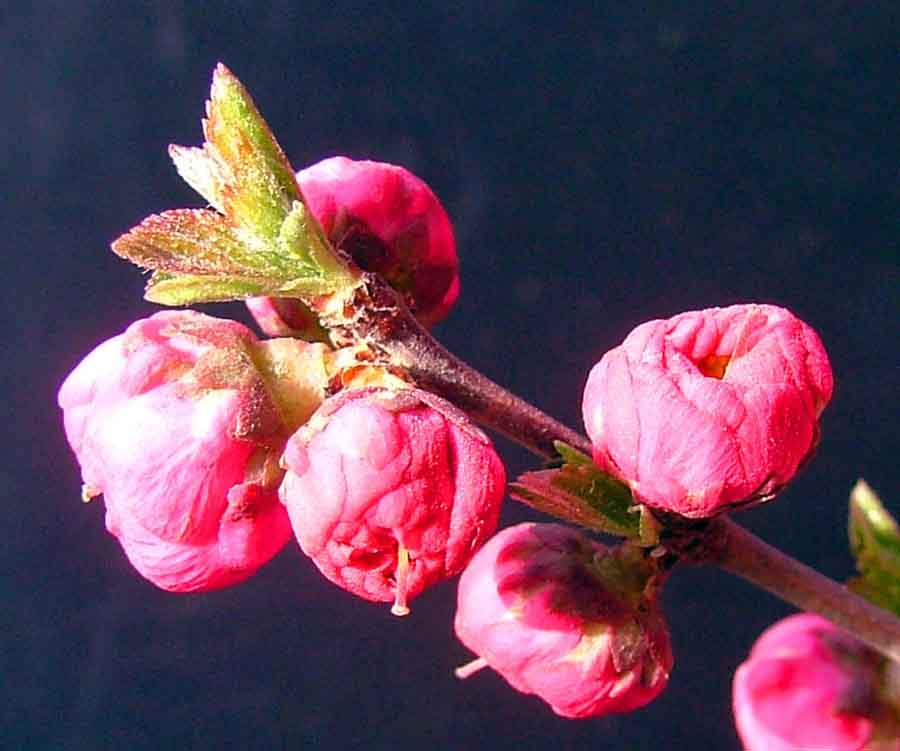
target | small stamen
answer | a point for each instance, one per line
(399, 607)
(470, 668)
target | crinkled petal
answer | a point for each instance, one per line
(710, 409)
(373, 477)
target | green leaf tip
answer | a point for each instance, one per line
(875, 544)
(259, 185)
(580, 492)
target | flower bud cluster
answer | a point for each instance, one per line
(210, 446)
(192, 428)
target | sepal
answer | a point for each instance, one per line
(582, 493)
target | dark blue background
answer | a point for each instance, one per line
(604, 163)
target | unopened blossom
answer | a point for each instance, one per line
(178, 423)
(391, 491)
(539, 605)
(710, 409)
(391, 223)
(810, 685)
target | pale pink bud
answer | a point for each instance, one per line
(391, 223)
(174, 423)
(710, 409)
(536, 604)
(809, 685)
(391, 491)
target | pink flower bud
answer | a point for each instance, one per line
(173, 422)
(390, 223)
(539, 606)
(710, 409)
(809, 685)
(391, 491)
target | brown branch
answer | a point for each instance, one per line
(745, 555)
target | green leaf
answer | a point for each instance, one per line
(881, 589)
(649, 528)
(193, 241)
(188, 289)
(875, 544)
(627, 570)
(260, 240)
(302, 243)
(604, 492)
(183, 289)
(201, 257)
(581, 493)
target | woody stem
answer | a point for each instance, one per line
(736, 550)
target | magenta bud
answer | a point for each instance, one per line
(174, 423)
(711, 409)
(540, 605)
(809, 685)
(390, 223)
(391, 491)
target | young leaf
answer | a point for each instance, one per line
(581, 493)
(187, 289)
(257, 184)
(628, 571)
(607, 494)
(192, 241)
(262, 241)
(301, 243)
(875, 544)
(649, 528)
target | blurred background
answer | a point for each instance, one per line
(604, 164)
